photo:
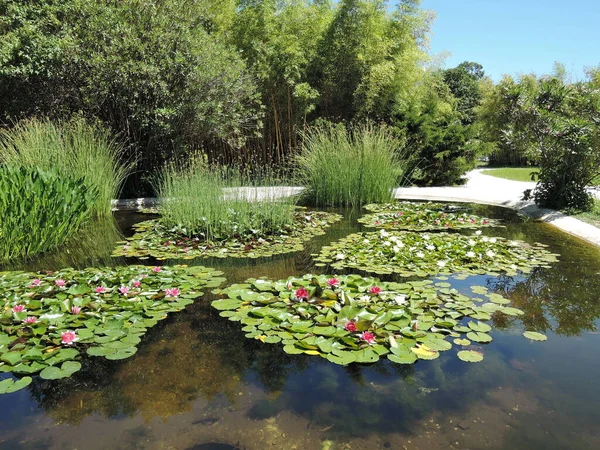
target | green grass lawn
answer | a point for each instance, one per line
(512, 173)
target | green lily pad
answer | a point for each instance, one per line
(8, 386)
(470, 356)
(535, 336)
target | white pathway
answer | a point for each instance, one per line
(479, 188)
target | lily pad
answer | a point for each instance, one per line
(470, 356)
(8, 386)
(535, 336)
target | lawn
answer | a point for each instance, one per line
(512, 173)
(592, 217)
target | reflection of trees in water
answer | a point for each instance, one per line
(198, 355)
(92, 246)
(564, 295)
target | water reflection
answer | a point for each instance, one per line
(197, 380)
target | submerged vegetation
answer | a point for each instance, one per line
(48, 319)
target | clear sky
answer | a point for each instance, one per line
(517, 36)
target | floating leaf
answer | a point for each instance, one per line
(535, 336)
(479, 337)
(470, 356)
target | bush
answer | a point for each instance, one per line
(219, 204)
(341, 167)
(40, 210)
(73, 148)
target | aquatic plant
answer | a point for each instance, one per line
(154, 239)
(219, 203)
(75, 149)
(355, 319)
(407, 253)
(47, 319)
(40, 210)
(422, 217)
(341, 167)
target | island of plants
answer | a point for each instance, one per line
(416, 216)
(48, 319)
(350, 318)
(408, 253)
(153, 239)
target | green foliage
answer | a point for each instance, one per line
(341, 167)
(149, 70)
(72, 148)
(217, 204)
(40, 210)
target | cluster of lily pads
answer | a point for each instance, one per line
(152, 239)
(418, 254)
(422, 217)
(350, 318)
(47, 319)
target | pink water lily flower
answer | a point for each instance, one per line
(136, 283)
(75, 310)
(172, 292)
(368, 337)
(69, 337)
(36, 282)
(30, 320)
(143, 275)
(100, 290)
(301, 293)
(156, 269)
(60, 282)
(374, 290)
(333, 282)
(350, 326)
(124, 290)
(18, 308)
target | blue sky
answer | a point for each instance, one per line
(517, 36)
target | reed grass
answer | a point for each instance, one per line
(341, 167)
(220, 203)
(40, 210)
(76, 149)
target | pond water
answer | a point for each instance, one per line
(197, 383)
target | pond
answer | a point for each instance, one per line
(197, 383)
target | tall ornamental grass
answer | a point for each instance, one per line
(40, 210)
(220, 203)
(74, 148)
(341, 167)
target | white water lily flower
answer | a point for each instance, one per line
(420, 254)
(478, 232)
(470, 254)
(366, 241)
(513, 243)
(384, 233)
(490, 253)
(387, 243)
(396, 248)
(340, 256)
(430, 247)
(441, 263)
(471, 242)
(513, 266)
(400, 299)
(426, 237)
(493, 240)
(485, 239)
(365, 298)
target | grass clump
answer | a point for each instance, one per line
(74, 148)
(40, 210)
(341, 167)
(220, 204)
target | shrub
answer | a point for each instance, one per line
(74, 148)
(219, 204)
(40, 210)
(341, 167)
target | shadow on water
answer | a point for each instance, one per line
(197, 383)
